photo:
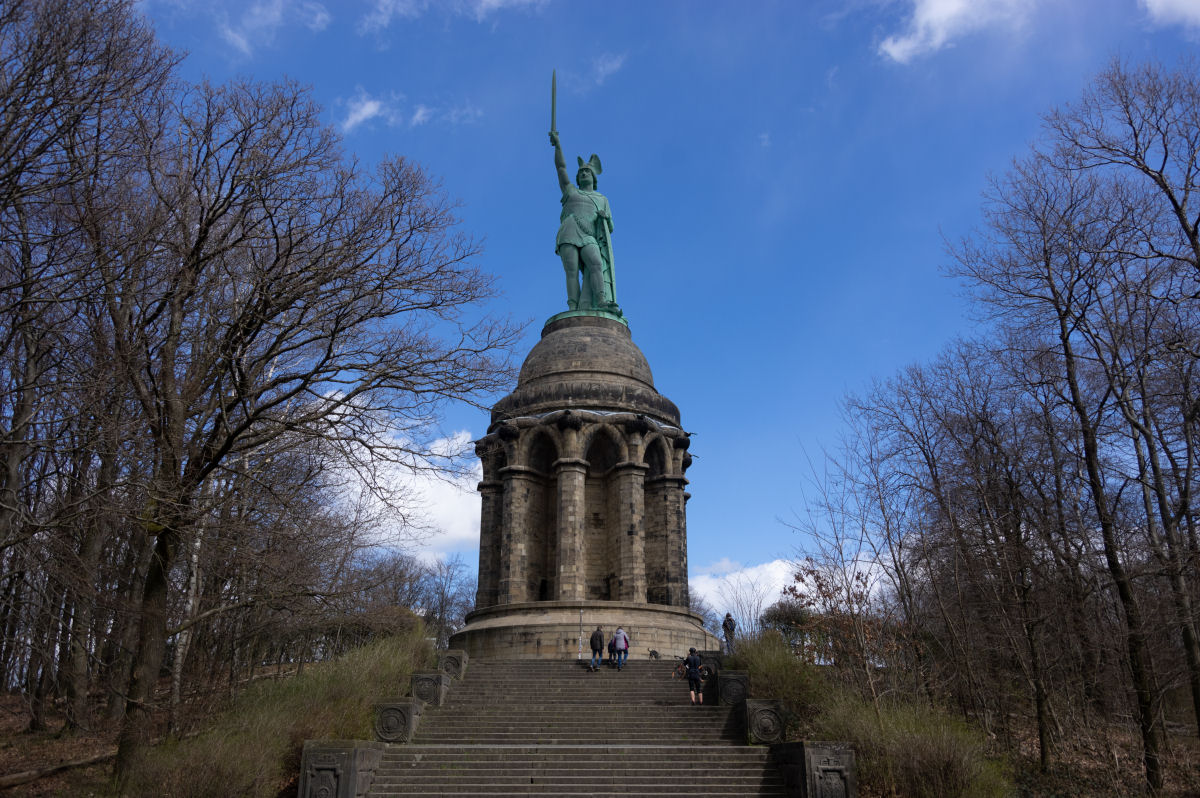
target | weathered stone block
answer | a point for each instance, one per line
(432, 688)
(453, 663)
(733, 687)
(715, 660)
(816, 769)
(396, 719)
(765, 722)
(338, 768)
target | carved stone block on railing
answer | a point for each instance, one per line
(765, 722)
(432, 688)
(816, 769)
(396, 719)
(829, 770)
(453, 663)
(733, 687)
(715, 660)
(338, 768)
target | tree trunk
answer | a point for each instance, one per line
(147, 656)
(1135, 638)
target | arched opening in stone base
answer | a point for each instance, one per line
(601, 548)
(656, 457)
(542, 520)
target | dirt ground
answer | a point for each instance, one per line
(21, 750)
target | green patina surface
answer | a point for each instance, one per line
(566, 314)
(584, 240)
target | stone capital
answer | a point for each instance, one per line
(520, 472)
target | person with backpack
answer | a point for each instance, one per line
(597, 649)
(692, 662)
(620, 642)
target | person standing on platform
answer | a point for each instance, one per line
(621, 644)
(597, 649)
(729, 627)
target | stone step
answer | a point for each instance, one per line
(491, 786)
(581, 709)
(570, 791)
(476, 752)
(554, 728)
(550, 738)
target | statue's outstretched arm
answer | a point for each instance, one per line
(560, 163)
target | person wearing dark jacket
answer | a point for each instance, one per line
(728, 628)
(692, 662)
(597, 649)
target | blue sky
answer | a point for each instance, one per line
(783, 177)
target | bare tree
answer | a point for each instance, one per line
(257, 285)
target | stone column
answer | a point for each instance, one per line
(631, 529)
(571, 473)
(675, 500)
(491, 526)
(570, 566)
(514, 544)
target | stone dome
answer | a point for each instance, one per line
(588, 363)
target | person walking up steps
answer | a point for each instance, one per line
(692, 662)
(597, 649)
(621, 644)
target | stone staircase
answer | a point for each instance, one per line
(536, 727)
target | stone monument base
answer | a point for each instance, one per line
(562, 629)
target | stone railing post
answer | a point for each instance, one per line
(453, 663)
(432, 688)
(816, 769)
(396, 719)
(765, 722)
(338, 768)
(733, 687)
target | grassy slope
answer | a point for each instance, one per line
(900, 749)
(253, 747)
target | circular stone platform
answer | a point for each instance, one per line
(553, 630)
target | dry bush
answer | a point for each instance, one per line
(253, 748)
(901, 749)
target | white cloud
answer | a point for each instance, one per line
(313, 16)
(764, 140)
(481, 9)
(262, 19)
(362, 107)
(450, 509)
(936, 23)
(365, 107)
(421, 115)
(462, 114)
(417, 506)
(384, 12)
(606, 65)
(1173, 12)
(718, 582)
